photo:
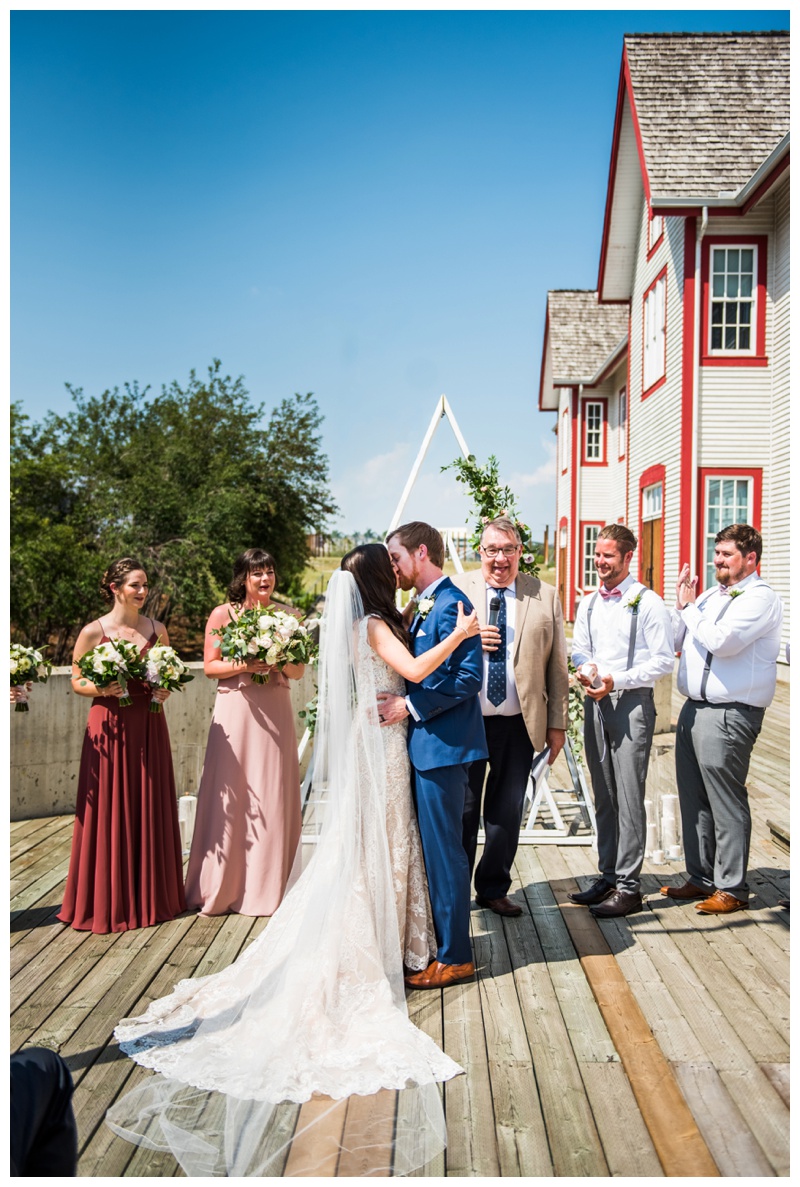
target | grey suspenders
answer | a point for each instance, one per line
(634, 624)
(709, 657)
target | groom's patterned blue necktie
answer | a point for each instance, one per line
(496, 684)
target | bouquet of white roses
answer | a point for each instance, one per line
(273, 636)
(117, 660)
(27, 666)
(163, 668)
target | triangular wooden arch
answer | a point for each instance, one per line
(441, 411)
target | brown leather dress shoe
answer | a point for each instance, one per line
(599, 890)
(687, 891)
(621, 902)
(437, 975)
(500, 906)
(720, 903)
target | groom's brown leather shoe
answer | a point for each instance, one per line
(437, 975)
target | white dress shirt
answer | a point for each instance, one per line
(744, 644)
(654, 654)
(510, 706)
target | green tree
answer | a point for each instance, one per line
(184, 480)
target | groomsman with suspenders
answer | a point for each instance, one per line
(729, 640)
(624, 630)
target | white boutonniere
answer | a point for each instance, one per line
(633, 604)
(736, 593)
(424, 606)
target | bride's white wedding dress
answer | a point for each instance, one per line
(414, 917)
(316, 1005)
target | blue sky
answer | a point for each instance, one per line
(368, 205)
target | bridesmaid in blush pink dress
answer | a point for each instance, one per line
(248, 805)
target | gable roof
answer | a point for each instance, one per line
(582, 340)
(702, 120)
(710, 108)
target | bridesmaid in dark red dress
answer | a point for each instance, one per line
(125, 869)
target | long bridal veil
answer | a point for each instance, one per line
(255, 1062)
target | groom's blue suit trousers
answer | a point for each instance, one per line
(440, 795)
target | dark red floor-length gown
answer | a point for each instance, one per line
(125, 868)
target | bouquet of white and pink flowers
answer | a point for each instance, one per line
(117, 660)
(273, 636)
(164, 668)
(27, 666)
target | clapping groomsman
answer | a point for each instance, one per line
(624, 632)
(729, 641)
(524, 700)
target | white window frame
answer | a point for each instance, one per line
(622, 416)
(734, 516)
(655, 333)
(589, 573)
(593, 431)
(653, 501)
(564, 439)
(655, 229)
(726, 300)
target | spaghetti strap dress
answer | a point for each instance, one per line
(125, 867)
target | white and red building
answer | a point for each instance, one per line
(670, 382)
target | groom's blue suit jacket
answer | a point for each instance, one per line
(450, 727)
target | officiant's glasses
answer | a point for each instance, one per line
(491, 551)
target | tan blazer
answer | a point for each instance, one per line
(540, 650)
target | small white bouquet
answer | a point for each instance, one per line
(164, 668)
(273, 636)
(28, 666)
(117, 660)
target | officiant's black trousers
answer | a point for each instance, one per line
(509, 762)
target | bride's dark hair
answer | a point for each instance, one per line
(374, 576)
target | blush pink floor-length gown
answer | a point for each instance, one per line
(248, 819)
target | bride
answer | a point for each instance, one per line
(314, 1010)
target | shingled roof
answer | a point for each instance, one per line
(711, 107)
(582, 335)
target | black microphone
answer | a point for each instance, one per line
(494, 610)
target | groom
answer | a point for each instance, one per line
(446, 734)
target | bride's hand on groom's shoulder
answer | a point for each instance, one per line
(468, 623)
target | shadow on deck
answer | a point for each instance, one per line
(652, 1045)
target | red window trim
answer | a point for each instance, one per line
(621, 456)
(584, 524)
(653, 246)
(649, 478)
(648, 391)
(565, 412)
(584, 429)
(759, 359)
(756, 473)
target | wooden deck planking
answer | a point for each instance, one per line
(544, 1087)
(472, 1147)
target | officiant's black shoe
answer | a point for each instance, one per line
(596, 893)
(500, 906)
(621, 902)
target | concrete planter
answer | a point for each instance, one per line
(46, 742)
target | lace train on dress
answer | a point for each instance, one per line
(315, 1007)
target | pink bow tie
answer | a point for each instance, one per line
(605, 594)
(724, 590)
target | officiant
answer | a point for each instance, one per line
(523, 700)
